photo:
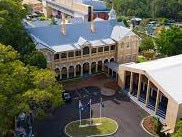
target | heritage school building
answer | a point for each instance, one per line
(156, 87)
(81, 49)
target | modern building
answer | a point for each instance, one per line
(81, 49)
(156, 87)
(76, 9)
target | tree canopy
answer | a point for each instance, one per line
(12, 32)
(24, 88)
(170, 41)
(171, 9)
(147, 43)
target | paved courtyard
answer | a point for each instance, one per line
(117, 106)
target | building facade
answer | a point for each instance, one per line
(76, 9)
(155, 86)
(76, 50)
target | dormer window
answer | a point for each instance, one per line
(113, 47)
(86, 50)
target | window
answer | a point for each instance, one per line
(106, 48)
(127, 44)
(56, 56)
(86, 50)
(63, 55)
(71, 54)
(100, 49)
(78, 53)
(94, 50)
(113, 47)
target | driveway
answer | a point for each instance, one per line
(118, 107)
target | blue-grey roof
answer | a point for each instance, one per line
(52, 36)
(97, 5)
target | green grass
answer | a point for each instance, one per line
(108, 126)
(141, 59)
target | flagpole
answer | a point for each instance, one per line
(80, 114)
(90, 113)
(100, 108)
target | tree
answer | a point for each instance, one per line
(36, 58)
(12, 32)
(24, 88)
(170, 41)
(147, 43)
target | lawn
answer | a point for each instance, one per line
(141, 59)
(107, 127)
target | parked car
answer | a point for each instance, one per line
(66, 96)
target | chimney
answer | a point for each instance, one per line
(63, 25)
(92, 27)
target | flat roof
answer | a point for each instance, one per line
(167, 72)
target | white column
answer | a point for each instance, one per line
(68, 73)
(139, 87)
(74, 71)
(157, 101)
(102, 66)
(90, 69)
(67, 55)
(112, 73)
(81, 71)
(81, 53)
(60, 75)
(96, 68)
(147, 95)
(131, 82)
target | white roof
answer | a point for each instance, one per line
(81, 41)
(167, 72)
(98, 19)
(96, 43)
(67, 47)
(119, 32)
(108, 41)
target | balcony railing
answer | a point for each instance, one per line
(85, 57)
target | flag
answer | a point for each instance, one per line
(81, 107)
(86, 107)
(102, 103)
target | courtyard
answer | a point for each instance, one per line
(118, 106)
